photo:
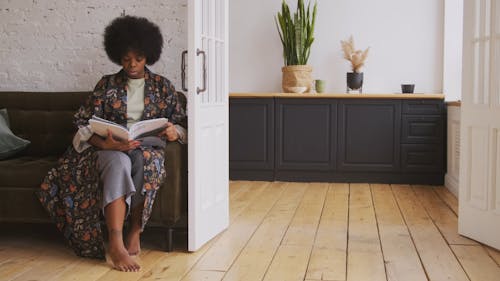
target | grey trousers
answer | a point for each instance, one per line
(121, 174)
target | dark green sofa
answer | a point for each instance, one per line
(46, 119)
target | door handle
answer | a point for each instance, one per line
(183, 70)
(198, 90)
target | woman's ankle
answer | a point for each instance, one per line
(115, 238)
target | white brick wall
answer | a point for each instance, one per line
(56, 45)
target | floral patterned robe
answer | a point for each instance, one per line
(71, 193)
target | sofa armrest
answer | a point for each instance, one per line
(171, 200)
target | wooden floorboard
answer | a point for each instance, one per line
(436, 256)
(233, 240)
(289, 231)
(257, 255)
(197, 275)
(447, 197)
(442, 215)
(86, 270)
(47, 266)
(174, 266)
(364, 255)
(329, 254)
(302, 229)
(17, 258)
(246, 193)
(477, 263)
(494, 254)
(401, 259)
(289, 263)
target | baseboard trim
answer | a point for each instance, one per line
(452, 184)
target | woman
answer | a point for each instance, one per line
(119, 178)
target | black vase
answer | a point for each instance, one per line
(354, 81)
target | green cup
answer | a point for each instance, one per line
(320, 86)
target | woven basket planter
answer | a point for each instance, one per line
(296, 76)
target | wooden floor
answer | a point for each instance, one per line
(293, 231)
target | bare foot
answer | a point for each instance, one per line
(133, 243)
(122, 261)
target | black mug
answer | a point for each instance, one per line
(407, 88)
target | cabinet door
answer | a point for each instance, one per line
(305, 134)
(251, 134)
(369, 135)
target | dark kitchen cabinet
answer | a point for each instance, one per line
(369, 135)
(337, 140)
(422, 139)
(306, 139)
(251, 139)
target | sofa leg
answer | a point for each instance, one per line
(170, 239)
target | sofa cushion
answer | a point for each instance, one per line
(45, 119)
(25, 172)
(10, 144)
(4, 115)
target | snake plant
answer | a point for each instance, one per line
(296, 33)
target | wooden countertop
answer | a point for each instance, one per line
(454, 103)
(338, 96)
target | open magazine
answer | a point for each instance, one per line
(140, 129)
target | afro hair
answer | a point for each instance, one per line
(129, 33)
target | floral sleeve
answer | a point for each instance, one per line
(93, 106)
(178, 105)
(179, 115)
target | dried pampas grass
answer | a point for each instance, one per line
(356, 57)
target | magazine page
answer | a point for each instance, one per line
(103, 120)
(148, 127)
(100, 126)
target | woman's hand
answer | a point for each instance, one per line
(110, 143)
(170, 132)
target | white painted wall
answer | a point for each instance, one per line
(452, 60)
(452, 87)
(405, 39)
(56, 45)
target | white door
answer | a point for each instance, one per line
(479, 196)
(208, 121)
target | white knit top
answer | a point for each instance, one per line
(135, 100)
